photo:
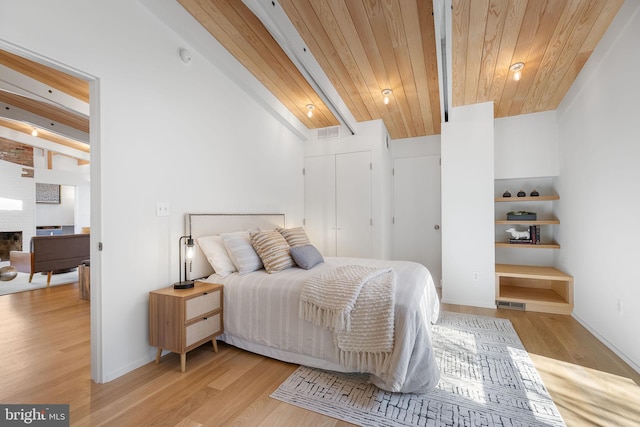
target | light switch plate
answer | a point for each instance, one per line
(162, 209)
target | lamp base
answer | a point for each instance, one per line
(183, 285)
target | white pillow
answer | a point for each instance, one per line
(215, 252)
(241, 251)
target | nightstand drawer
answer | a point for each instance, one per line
(203, 304)
(203, 329)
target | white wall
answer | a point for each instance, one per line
(62, 213)
(468, 249)
(20, 194)
(599, 158)
(169, 132)
(414, 147)
(526, 146)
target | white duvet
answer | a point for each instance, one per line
(261, 316)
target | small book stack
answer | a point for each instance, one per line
(534, 233)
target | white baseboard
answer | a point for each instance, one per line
(480, 304)
(611, 347)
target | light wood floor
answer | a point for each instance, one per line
(45, 359)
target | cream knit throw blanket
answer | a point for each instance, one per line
(357, 303)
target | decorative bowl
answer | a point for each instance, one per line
(7, 273)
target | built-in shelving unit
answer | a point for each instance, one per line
(543, 221)
(534, 288)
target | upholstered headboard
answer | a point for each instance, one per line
(199, 225)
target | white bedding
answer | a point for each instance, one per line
(261, 316)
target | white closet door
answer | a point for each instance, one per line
(353, 204)
(320, 202)
(416, 206)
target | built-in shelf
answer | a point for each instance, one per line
(534, 288)
(550, 220)
(530, 222)
(552, 245)
(528, 199)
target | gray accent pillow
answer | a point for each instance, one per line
(306, 256)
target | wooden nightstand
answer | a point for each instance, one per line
(183, 319)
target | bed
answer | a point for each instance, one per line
(262, 309)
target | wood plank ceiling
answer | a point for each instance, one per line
(553, 39)
(49, 116)
(370, 45)
(365, 46)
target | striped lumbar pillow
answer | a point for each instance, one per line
(294, 236)
(273, 250)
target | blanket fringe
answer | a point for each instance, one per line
(375, 363)
(337, 320)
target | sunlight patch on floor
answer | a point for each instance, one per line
(587, 396)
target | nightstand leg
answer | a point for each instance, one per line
(215, 345)
(158, 354)
(183, 362)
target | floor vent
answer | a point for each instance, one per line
(332, 132)
(511, 305)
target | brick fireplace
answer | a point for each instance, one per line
(9, 241)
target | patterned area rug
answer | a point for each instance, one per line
(487, 379)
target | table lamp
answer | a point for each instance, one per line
(189, 250)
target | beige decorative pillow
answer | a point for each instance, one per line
(294, 236)
(273, 250)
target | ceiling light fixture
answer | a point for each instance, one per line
(386, 93)
(517, 70)
(34, 132)
(310, 108)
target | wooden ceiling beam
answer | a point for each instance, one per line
(59, 80)
(46, 135)
(50, 112)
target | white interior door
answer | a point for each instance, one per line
(320, 202)
(353, 204)
(416, 206)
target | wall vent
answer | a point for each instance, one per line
(332, 132)
(511, 305)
